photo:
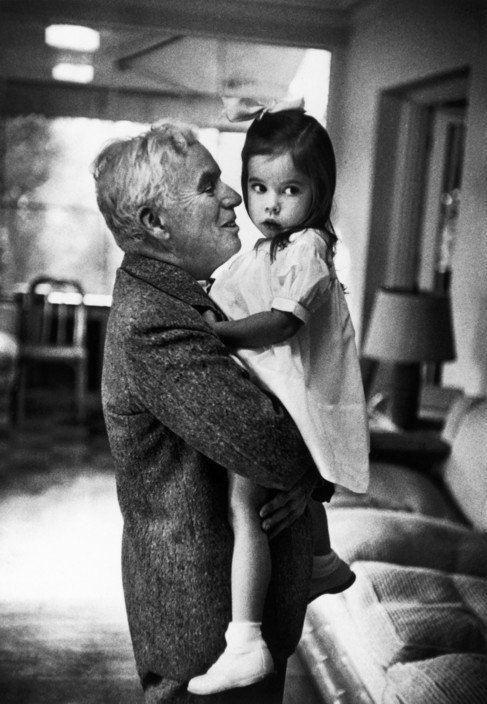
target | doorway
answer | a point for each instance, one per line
(442, 200)
(416, 192)
(419, 156)
(426, 181)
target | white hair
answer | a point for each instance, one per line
(136, 172)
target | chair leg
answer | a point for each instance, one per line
(81, 391)
(20, 395)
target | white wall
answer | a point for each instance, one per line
(394, 43)
(470, 261)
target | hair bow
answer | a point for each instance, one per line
(244, 109)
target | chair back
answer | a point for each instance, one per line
(53, 314)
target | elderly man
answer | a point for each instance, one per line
(180, 412)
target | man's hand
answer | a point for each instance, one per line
(209, 317)
(286, 506)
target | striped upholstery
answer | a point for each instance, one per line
(455, 678)
(408, 614)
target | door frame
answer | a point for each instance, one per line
(401, 155)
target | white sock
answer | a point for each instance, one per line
(244, 635)
(324, 565)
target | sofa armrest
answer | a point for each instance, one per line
(464, 473)
(398, 488)
(407, 539)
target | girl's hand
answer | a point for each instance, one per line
(282, 510)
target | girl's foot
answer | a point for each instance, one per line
(330, 575)
(234, 668)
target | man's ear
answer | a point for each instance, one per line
(153, 223)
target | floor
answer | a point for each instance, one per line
(63, 631)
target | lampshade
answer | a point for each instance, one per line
(410, 326)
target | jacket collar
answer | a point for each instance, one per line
(168, 278)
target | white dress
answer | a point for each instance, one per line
(315, 373)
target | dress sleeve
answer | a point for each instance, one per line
(300, 277)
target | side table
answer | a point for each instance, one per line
(419, 447)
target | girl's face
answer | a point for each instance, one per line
(279, 196)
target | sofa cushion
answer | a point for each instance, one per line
(400, 489)
(407, 539)
(408, 613)
(447, 679)
(465, 470)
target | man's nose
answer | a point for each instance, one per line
(230, 198)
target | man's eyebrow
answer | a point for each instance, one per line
(208, 176)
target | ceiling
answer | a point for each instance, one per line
(181, 49)
(157, 60)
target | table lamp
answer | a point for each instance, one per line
(409, 328)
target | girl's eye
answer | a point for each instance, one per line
(291, 190)
(258, 187)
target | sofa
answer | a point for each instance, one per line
(413, 627)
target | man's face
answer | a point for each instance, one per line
(200, 215)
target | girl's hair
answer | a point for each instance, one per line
(310, 147)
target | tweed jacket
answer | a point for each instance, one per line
(179, 412)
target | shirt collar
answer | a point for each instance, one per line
(223, 267)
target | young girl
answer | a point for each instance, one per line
(290, 326)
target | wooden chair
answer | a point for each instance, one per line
(52, 330)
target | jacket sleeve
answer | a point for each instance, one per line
(185, 377)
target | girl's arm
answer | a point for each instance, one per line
(258, 330)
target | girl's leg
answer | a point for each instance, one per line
(246, 658)
(251, 562)
(331, 574)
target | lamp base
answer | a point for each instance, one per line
(405, 394)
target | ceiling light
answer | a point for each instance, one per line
(71, 36)
(75, 73)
